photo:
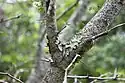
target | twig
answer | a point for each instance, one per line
(12, 18)
(101, 76)
(98, 78)
(18, 72)
(2, 81)
(2, 73)
(47, 59)
(115, 73)
(117, 26)
(66, 70)
(106, 32)
(66, 24)
(75, 80)
(69, 8)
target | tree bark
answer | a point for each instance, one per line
(41, 67)
(62, 54)
(82, 41)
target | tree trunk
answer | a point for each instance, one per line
(54, 75)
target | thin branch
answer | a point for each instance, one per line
(115, 73)
(3, 81)
(17, 73)
(98, 78)
(101, 76)
(68, 9)
(18, 80)
(75, 80)
(106, 32)
(66, 70)
(66, 24)
(12, 18)
(72, 61)
(47, 59)
(119, 25)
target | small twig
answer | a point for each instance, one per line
(101, 76)
(68, 9)
(72, 61)
(115, 73)
(75, 80)
(18, 72)
(66, 24)
(98, 78)
(12, 18)
(66, 70)
(106, 32)
(47, 59)
(117, 26)
(2, 73)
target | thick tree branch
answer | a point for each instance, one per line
(51, 27)
(52, 32)
(82, 41)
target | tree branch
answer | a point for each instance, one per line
(18, 80)
(67, 33)
(51, 27)
(106, 32)
(98, 78)
(12, 18)
(68, 9)
(66, 70)
(101, 77)
(82, 41)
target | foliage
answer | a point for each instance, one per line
(18, 40)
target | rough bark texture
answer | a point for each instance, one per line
(63, 54)
(82, 41)
(54, 75)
